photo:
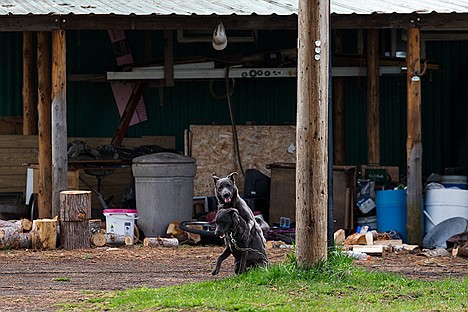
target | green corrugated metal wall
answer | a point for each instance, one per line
(11, 74)
(92, 111)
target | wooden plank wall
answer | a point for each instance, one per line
(18, 151)
(213, 149)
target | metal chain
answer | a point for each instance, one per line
(247, 249)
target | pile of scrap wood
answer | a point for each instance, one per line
(459, 244)
(40, 234)
(371, 242)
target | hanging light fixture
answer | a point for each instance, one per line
(219, 36)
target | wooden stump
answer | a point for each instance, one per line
(75, 205)
(47, 233)
(74, 234)
(75, 211)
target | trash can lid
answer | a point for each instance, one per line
(119, 210)
(164, 158)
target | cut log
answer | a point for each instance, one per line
(160, 241)
(26, 224)
(11, 238)
(47, 233)
(75, 234)
(98, 240)
(16, 226)
(118, 240)
(75, 205)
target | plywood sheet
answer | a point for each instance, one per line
(213, 149)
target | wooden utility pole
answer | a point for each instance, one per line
(59, 119)
(373, 115)
(29, 107)
(44, 128)
(339, 138)
(413, 141)
(312, 131)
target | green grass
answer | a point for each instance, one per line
(333, 285)
(61, 279)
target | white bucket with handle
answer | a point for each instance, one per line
(443, 204)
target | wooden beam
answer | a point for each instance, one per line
(172, 22)
(122, 128)
(312, 132)
(29, 106)
(339, 138)
(59, 119)
(431, 21)
(44, 126)
(373, 81)
(413, 141)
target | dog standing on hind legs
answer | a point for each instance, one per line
(247, 246)
(228, 196)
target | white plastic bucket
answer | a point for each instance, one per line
(120, 221)
(443, 204)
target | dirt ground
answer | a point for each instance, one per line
(37, 280)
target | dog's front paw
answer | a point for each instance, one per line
(215, 271)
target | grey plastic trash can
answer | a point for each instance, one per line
(163, 190)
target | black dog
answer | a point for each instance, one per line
(228, 197)
(247, 246)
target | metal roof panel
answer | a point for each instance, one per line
(222, 7)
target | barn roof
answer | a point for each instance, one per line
(222, 7)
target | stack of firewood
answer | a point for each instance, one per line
(40, 234)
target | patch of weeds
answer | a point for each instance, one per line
(86, 256)
(61, 279)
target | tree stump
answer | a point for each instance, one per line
(75, 205)
(75, 211)
(75, 234)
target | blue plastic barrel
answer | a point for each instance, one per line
(391, 211)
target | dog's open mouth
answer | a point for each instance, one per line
(227, 200)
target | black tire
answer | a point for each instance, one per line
(208, 229)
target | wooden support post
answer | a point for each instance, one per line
(75, 212)
(122, 128)
(29, 107)
(373, 115)
(312, 132)
(59, 118)
(339, 138)
(44, 127)
(413, 141)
